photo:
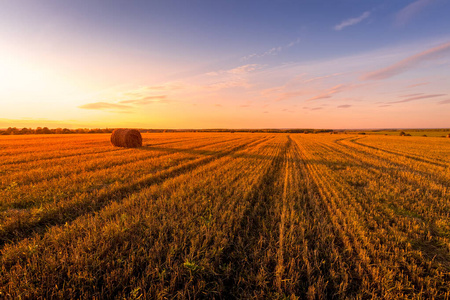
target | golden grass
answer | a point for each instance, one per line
(217, 215)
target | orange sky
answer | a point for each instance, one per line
(56, 72)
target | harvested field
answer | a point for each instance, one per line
(219, 215)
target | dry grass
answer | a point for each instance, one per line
(212, 215)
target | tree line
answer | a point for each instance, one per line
(46, 130)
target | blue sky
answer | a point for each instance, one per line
(205, 64)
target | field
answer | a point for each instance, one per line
(225, 215)
(412, 132)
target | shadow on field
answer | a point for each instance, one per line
(69, 211)
(203, 152)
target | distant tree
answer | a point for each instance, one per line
(45, 130)
(11, 130)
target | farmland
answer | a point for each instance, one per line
(221, 215)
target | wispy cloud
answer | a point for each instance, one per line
(245, 69)
(106, 106)
(146, 90)
(409, 11)
(411, 95)
(328, 93)
(237, 77)
(272, 51)
(322, 77)
(145, 100)
(408, 63)
(417, 84)
(418, 98)
(241, 70)
(351, 21)
(291, 88)
(226, 84)
(127, 101)
(344, 106)
(444, 101)
(313, 108)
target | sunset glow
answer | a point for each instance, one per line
(225, 64)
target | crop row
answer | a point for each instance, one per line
(232, 216)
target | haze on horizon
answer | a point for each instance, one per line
(228, 64)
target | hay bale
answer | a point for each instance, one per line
(448, 135)
(128, 138)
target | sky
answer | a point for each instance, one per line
(225, 64)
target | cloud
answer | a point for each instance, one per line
(408, 63)
(322, 77)
(168, 86)
(329, 93)
(417, 84)
(444, 101)
(409, 11)
(293, 43)
(146, 100)
(106, 106)
(291, 88)
(411, 95)
(287, 95)
(344, 106)
(226, 84)
(144, 91)
(126, 105)
(241, 70)
(272, 51)
(418, 98)
(351, 21)
(245, 69)
(319, 97)
(313, 108)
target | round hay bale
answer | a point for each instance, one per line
(128, 138)
(448, 135)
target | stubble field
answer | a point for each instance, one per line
(221, 215)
